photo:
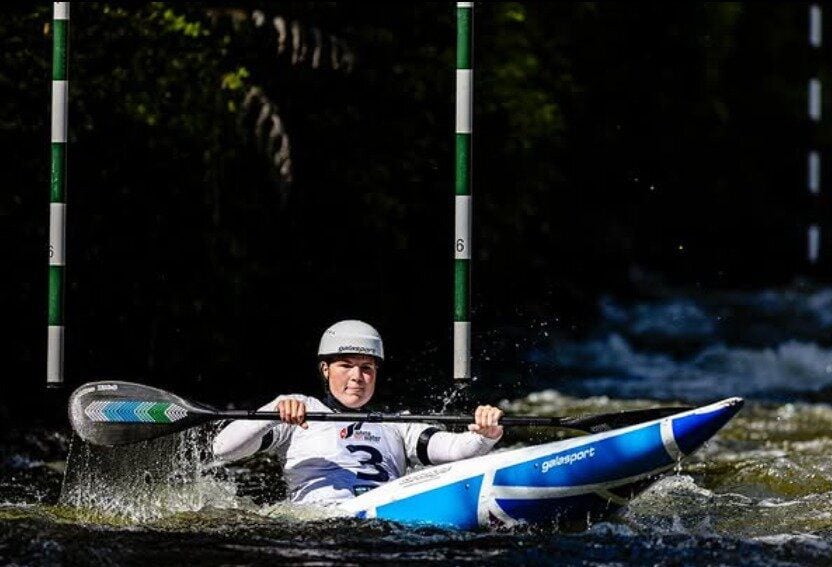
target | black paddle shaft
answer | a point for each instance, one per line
(588, 423)
(378, 417)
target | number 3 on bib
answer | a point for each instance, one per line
(374, 461)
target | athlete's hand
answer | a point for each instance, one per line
(485, 422)
(293, 412)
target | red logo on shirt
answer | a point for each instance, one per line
(347, 431)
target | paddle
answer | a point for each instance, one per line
(120, 413)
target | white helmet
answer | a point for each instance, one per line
(351, 337)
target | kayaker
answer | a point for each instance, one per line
(326, 462)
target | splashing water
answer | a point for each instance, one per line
(146, 481)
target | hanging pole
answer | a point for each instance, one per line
(57, 196)
(462, 231)
(814, 111)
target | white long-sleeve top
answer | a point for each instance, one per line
(334, 461)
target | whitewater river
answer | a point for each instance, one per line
(759, 493)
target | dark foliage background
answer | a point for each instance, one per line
(615, 148)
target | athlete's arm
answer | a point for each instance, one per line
(243, 438)
(481, 437)
(432, 446)
(444, 447)
(240, 439)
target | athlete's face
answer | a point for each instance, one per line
(352, 379)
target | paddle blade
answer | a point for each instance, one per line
(119, 413)
(609, 421)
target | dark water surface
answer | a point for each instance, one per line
(759, 493)
(230, 539)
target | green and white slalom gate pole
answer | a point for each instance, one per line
(813, 176)
(462, 231)
(57, 200)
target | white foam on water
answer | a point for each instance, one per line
(770, 313)
(612, 366)
(611, 529)
(289, 511)
(678, 486)
(681, 318)
(816, 543)
(770, 344)
(776, 503)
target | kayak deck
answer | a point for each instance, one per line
(583, 478)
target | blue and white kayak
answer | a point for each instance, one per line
(583, 478)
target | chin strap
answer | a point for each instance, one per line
(332, 403)
(336, 406)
